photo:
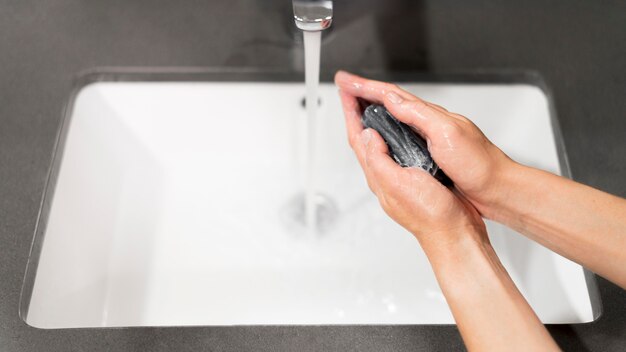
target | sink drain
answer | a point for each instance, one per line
(293, 213)
(303, 102)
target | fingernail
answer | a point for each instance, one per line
(394, 98)
(366, 136)
(346, 73)
(348, 80)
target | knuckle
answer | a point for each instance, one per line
(394, 191)
(384, 202)
(452, 129)
(370, 183)
(439, 107)
(369, 161)
(378, 172)
(393, 87)
(460, 117)
(352, 140)
(387, 183)
(416, 106)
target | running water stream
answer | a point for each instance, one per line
(312, 44)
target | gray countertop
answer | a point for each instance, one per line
(578, 47)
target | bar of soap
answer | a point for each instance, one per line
(406, 147)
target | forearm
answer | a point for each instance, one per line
(580, 223)
(490, 312)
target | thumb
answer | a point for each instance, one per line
(377, 159)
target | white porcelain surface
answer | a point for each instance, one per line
(168, 208)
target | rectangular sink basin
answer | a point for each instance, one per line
(172, 205)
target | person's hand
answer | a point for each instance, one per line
(410, 196)
(475, 165)
(490, 312)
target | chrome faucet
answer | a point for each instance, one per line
(313, 15)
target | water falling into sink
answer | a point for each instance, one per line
(312, 44)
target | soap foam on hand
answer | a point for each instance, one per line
(406, 147)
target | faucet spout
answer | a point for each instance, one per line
(313, 15)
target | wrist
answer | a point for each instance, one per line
(464, 268)
(452, 245)
(507, 182)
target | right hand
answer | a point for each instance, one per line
(476, 166)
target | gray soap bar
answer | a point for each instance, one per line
(406, 147)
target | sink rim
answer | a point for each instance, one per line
(84, 79)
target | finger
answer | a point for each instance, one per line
(352, 116)
(403, 105)
(364, 138)
(417, 113)
(381, 168)
(370, 90)
(354, 127)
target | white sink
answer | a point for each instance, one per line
(169, 203)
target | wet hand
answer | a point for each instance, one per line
(475, 165)
(410, 196)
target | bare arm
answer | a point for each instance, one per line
(489, 310)
(583, 224)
